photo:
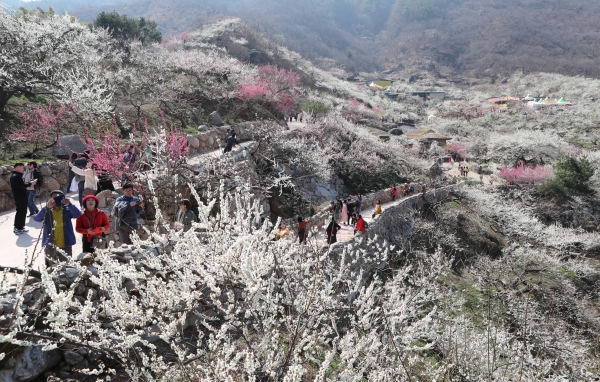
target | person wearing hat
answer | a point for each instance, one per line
(57, 231)
(92, 222)
(19, 191)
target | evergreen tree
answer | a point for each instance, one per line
(124, 29)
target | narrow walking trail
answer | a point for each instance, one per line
(13, 247)
(346, 233)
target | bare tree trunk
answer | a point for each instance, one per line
(5, 96)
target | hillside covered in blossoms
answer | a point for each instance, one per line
(487, 274)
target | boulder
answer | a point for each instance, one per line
(72, 357)
(45, 170)
(61, 177)
(102, 198)
(6, 202)
(30, 363)
(51, 184)
(203, 137)
(211, 141)
(4, 185)
(395, 131)
(215, 119)
(202, 128)
(193, 142)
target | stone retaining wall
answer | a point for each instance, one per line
(56, 176)
(215, 138)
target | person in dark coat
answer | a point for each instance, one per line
(332, 230)
(230, 142)
(19, 191)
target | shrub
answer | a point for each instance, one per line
(572, 178)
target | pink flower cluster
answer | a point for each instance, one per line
(524, 174)
(41, 125)
(461, 150)
(273, 85)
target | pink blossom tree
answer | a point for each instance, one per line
(524, 174)
(457, 148)
(271, 85)
(41, 126)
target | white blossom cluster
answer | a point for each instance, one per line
(54, 56)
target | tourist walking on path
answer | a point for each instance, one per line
(345, 212)
(332, 230)
(91, 223)
(57, 232)
(126, 209)
(19, 190)
(230, 142)
(361, 224)
(32, 174)
(351, 207)
(185, 216)
(377, 209)
(358, 203)
(338, 208)
(394, 192)
(302, 224)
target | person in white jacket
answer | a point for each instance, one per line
(91, 180)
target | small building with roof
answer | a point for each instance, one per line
(427, 136)
(428, 95)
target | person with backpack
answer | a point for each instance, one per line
(185, 216)
(57, 231)
(126, 209)
(19, 190)
(31, 174)
(92, 223)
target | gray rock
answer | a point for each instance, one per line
(72, 357)
(504, 80)
(80, 289)
(4, 186)
(90, 294)
(71, 274)
(81, 365)
(30, 363)
(395, 131)
(193, 142)
(200, 128)
(215, 119)
(87, 259)
(51, 184)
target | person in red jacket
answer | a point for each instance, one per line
(361, 224)
(92, 222)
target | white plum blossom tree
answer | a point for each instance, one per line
(54, 56)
